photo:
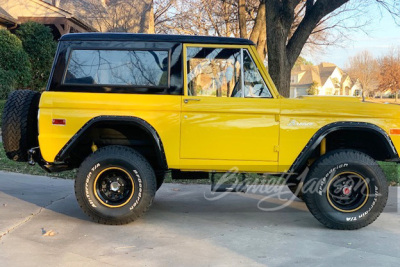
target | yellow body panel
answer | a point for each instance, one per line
(301, 118)
(160, 111)
(253, 135)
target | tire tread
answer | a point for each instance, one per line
(103, 154)
(338, 156)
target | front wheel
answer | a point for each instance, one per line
(115, 185)
(345, 189)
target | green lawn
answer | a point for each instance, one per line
(23, 167)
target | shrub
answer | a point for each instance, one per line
(14, 61)
(313, 90)
(7, 83)
(38, 43)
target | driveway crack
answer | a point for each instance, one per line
(27, 219)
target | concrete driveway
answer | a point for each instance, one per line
(41, 224)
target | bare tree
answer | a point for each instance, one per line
(237, 18)
(242, 18)
(285, 40)
(389, 72)
(208, 17)
(364, 67)
(115, 15)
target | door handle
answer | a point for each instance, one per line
(190, 99)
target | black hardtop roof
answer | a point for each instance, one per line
(141, 37)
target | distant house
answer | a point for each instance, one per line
(44, 12)
(330, 80)
(65, 16)
(356, 88)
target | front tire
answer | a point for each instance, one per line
(345, 189)
(115, 185)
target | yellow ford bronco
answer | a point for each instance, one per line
(125, 109)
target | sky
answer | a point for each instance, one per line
(382, 33)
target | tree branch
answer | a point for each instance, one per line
(320, 9)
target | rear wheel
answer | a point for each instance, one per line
(345, 189)
(115, 185)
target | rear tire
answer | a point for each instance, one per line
(115, 185)
(19, 128)
(345, 189)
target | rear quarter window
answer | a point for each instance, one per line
(133, 68)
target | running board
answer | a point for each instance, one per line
(240, 187)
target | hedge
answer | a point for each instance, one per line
(38, 43)
(14, 61)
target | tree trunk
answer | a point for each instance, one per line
(278, 65)
(282, 50)
(262, 41)
(226, 18)
(242, 18)
(151, 19)
(259, 23)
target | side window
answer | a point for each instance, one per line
(218, 72)
(118, 67)
(253, 82)
(213, 72)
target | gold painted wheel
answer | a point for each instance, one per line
(347, 192)
(114, 187)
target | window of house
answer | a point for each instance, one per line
(357, 92)
(118, 68)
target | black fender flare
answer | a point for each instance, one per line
(135, 121)
(301, 160)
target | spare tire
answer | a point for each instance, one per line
(19, 128)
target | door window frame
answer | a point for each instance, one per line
(254, 57)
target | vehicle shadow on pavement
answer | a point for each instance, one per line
(177, 201)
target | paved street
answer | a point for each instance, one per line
(41, 224)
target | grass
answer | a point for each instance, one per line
(2, 103)
(23, 167)
(392, 171)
